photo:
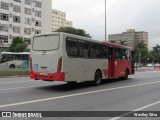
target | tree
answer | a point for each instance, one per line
(18, 45)
(112, 41)
(123, 42)
(141, 51)
(156, 53)
(74, 31)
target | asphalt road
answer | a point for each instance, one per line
(141, 92)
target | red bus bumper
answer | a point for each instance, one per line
(47, 76)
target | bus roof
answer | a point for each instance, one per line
(16, 53)
(117, 45)
(73, 35)
(88, 39)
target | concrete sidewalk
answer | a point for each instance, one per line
(6, 74)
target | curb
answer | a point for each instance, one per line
(146, 70)
(15, 76)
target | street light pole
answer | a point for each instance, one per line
(105, 23)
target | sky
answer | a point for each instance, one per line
(141, 15)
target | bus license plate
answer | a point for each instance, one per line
(43, 75)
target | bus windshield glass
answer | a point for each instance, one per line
(46, 42)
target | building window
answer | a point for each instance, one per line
(4, 17)
(27, 31)
(38, 23)
(28, 11)
(27, 40)
(16, 8)
(38, 4)
(4, 27)
(37, 13)
(27, 21)
(3, 39)
(4, 5)
(28, 2)
(16, 19)
(16, 29)
(17, 1)
(37, 32)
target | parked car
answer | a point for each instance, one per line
(156, 64)
(150, 65)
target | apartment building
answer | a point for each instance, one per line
(24, 18)
(130, 37)
(59, 20)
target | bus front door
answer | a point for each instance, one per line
(132, 62)
(111, 62)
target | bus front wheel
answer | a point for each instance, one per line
(97, 78)
(12, 66)
(71, 82)
(126, 75)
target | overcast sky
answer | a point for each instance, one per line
(141, 15)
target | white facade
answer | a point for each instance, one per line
(59, 20)
(23, 18)
(46, 16)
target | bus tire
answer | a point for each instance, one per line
(12, 66)
(97, 78)
(71, 82)
(126, 74)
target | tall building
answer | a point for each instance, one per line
(24, 18)
(59, 20)
(130, 37)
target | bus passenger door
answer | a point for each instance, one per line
(132, 62)
(111, 62)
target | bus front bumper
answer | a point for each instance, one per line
(47, 76)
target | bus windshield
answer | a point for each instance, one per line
(46, 42)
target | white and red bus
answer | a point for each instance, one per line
(71, 58)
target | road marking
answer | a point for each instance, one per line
(72, 95)
(152, 104)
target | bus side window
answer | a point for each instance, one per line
(72, 47)
(128, 54)
(95, 50)
(123, 54)
(84, 49)
(110, 50)
(117, 53)
(103, 51)
(3, 59)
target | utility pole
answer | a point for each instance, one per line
(105, 23)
